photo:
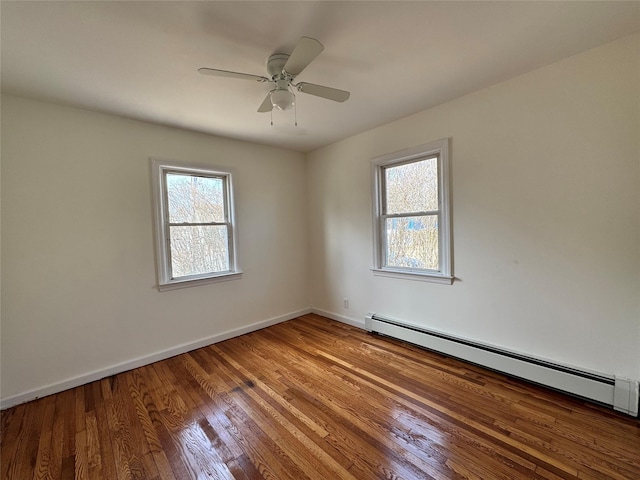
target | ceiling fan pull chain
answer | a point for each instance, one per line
(295, 111)
(271, 117)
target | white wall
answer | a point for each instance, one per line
(78, 271)
(546, 215)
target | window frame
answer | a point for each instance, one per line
(159, 170)
(439, 149)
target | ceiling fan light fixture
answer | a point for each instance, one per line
(282, 99)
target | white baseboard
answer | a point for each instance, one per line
(339, 318)
(141, 361)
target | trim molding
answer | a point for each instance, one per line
(146, 360)
(339, 318)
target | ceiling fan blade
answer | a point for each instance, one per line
(324, 92)
(266, 105)
(304, 52)
(224, 73)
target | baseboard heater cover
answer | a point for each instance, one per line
(618, 392)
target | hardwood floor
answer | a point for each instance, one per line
(315, 399)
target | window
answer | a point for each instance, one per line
(194, 225)
(411, 213)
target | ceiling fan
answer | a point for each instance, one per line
(282, 70)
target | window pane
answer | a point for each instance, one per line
(412, 187)
(412, 242)
(194, 199)
(199, 249)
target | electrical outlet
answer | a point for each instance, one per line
(345, 303)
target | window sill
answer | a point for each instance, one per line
(413, 275)
(194, 282)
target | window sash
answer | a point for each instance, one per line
(167, 230)
(385, 242)
(384, 251)
(383, 176)
(203, 262)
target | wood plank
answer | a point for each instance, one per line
(92, 439)
(13, 420)
(43, 459)
(141, 401)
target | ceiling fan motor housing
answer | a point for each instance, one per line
(275, 65)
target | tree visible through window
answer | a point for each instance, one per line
(198, 229)
(411, 212)
(194, 223)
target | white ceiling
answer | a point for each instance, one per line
(140, 59)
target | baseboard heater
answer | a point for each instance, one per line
(617, 392)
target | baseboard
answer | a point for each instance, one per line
(141, 361)
(339, 318)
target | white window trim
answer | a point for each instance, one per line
(164, 280)
(444, 273)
